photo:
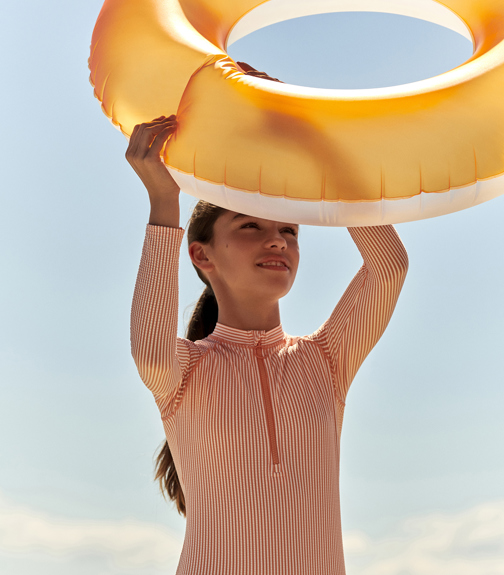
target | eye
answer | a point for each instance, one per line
(290, 230)
(249, 224)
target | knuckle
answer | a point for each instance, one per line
(152, 158)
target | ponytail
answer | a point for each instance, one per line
(204, 317)
(201, 324)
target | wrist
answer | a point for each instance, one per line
(165, 209)
(162, 195)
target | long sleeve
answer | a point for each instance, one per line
(158, 353)
(364, 311)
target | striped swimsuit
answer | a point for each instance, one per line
(253, 418)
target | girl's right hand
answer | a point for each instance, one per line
(146, 143)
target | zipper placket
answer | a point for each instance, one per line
(268, 407)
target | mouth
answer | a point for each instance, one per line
(274, 266)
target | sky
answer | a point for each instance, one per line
(421, 464)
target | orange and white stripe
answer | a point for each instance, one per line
(253, 418)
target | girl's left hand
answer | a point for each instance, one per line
(250, 71)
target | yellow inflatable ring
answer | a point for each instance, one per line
(292, 153)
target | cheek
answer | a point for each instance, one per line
(235, 257)
(241, 246)
(295, 255)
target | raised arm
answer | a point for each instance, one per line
(154, 312)
(364, 311)
(155, 300)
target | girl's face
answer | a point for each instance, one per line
(249, 257)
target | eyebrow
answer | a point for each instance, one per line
(238, 216)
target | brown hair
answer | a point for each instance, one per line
(201, 324)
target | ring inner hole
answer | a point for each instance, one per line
(353, 50)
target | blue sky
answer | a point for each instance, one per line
(422, 463)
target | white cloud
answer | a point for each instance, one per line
(126, 544)
(466, 543)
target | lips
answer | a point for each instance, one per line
(274, 263)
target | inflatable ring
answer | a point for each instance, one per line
(307, 155)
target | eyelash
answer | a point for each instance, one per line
(291, 230)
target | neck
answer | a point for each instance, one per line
(249, 315)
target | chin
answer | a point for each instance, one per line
(280, 293)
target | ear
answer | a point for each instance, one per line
(199, 257)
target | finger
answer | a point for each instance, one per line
(159, 120)
(163, 118)
(143, 135)
(161, 140)
(264, 76)
(136, 140)
(257, 74)
(163, 121)
(160, 132)
(148, 133)
(134, 132)
(132, 145)
(245, 66)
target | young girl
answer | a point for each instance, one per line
(252, 415)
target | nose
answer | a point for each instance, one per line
(276, 240)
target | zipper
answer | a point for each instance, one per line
(268, 407)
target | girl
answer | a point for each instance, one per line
(252, 415)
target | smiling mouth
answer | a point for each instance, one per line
(275, 266)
